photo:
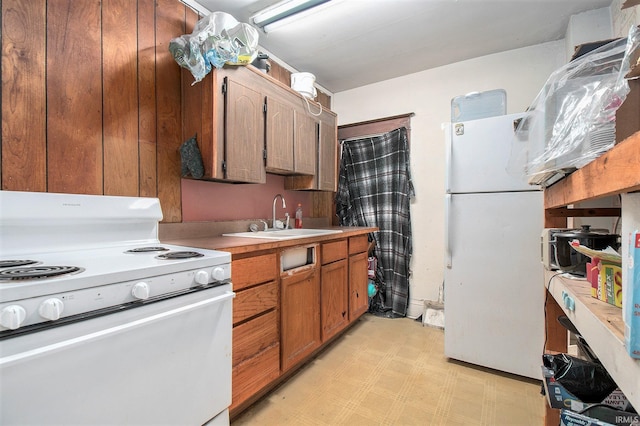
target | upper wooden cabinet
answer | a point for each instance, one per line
(290, 138)
(305, 142)
(328, 153)
(247, 124)
(325, 177)
(279, 136)
(225, 111)
(243, 133)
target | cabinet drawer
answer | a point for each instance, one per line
(253, 301)
(249, 377)
(358, 244)
(253, 270)
(333, 251)
(254, 336)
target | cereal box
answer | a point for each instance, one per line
(632, 298)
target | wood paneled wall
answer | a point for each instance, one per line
(91, 98)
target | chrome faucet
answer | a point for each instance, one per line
(284, 206)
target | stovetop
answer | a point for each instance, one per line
(91, 236)
(98, 267)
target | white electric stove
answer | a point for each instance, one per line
(123, 329)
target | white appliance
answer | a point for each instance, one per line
(493, 281)
(100, 323)
(548, 254)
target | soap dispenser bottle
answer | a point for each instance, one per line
(298, 223)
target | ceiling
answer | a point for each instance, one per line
(351, 43)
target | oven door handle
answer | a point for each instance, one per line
(6, 361)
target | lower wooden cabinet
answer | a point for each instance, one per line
(358, 285)
(358, 281)
(281, 318)
(300, 315)
(335, 298)
(253, 375)
(256, 332)
(254, 301)
(334, 288)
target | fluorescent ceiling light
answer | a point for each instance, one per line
(283, 10)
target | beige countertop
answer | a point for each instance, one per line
(241, 245)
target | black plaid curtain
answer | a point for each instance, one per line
(375, 189)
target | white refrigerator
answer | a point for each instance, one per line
(493, 281)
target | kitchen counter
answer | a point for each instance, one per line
(283, 316)
(240, 245)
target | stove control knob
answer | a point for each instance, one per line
(202, 277)
(140, 291)
(218, 273)
(51, 309)
(12, 316)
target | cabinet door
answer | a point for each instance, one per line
(243, 133)
(324, 177)
(279, 137)
(300, 316)
(358, 283)
(327, 151)
(334, 299)
(306, 137)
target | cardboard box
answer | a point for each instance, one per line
(559, 397)
(598, 416)
(628, 114)
(583, 49)
(630, 3)
(606, 281)
(569, 418)
(592, 277)
(632, 304)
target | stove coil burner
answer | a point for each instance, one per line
(146, 249)
(180, 255)
(37, 272)
(15, 263)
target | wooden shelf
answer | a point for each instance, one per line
(602, 327)
(614, 172)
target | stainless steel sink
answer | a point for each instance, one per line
(284, 234)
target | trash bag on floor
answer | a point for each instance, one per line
(588, 381)
(216, 40)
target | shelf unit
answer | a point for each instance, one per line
(615, 172)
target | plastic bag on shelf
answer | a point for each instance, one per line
(216, 40)
(588, 381)
(572, 120)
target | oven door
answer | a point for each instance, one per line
(167, 362)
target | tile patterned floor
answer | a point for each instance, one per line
(394, 372)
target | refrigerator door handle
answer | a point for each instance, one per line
(448, 153)
(447, 231)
